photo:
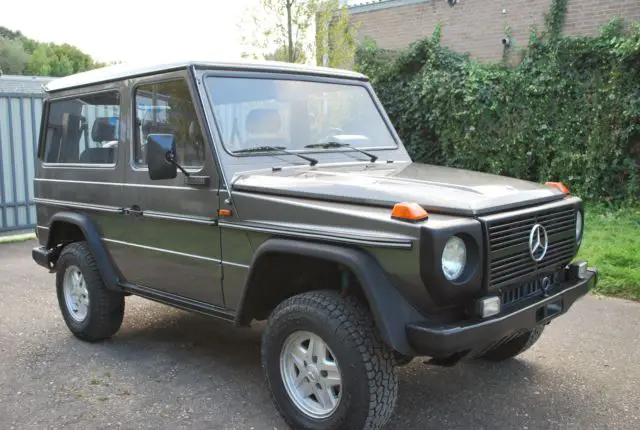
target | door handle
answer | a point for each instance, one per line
(133, 211)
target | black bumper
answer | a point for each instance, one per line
(445, 340)
(42, 256)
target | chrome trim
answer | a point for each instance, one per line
(121, 184)
(181, 218)
(169, 251)
(42, 227)
(382, 243)
(75, 205)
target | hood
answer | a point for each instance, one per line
(437, 189)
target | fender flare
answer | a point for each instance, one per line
(391, 311)
(89, 229)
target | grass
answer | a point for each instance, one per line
(612, 244)
(17, 238)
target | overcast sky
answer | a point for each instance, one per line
(127, 30)
(130, 30)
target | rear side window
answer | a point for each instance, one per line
(83, 130)
(167, 108)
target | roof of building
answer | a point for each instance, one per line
(359, 6)
(23, 84)
(130, 70)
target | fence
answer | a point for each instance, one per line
(19, 130)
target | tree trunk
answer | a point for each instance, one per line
(290, 31)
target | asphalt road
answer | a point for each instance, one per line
(171, 369)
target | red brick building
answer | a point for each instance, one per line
(478, 26)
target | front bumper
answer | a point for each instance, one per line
(446, 340)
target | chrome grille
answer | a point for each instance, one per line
(508, 243)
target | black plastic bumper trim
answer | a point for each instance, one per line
(42, 256)
(444, 340)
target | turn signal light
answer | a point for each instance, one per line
(559, 185)
(409, 211)
(225, 212)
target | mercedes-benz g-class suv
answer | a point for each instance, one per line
(267, 191)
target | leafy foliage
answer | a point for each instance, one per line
(297, 31)
(336, 35)
(568, 111)
(13, 58)
(21, 55)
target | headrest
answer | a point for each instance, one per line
(263, 121)
(104, 129)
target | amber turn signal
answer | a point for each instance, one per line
(224, 212)
(559, 185)
(409, 211)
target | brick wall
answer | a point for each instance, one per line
(477, 26)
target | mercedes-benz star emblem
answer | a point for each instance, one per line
(538, 242)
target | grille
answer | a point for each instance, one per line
(508, 242)
(525, 291)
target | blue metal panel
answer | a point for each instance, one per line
(19, 131)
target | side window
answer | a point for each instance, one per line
(166, 107)
(83, 130)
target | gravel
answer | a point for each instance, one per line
(171, 369)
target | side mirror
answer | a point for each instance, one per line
(161, 150)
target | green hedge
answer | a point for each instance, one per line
(569, 110)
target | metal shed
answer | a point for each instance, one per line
(20, 109)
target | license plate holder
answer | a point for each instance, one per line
(549, 310)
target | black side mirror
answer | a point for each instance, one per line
(161, 150)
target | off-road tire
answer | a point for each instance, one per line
(370, 385)
(401, 359)
(106, 308)
(515, 346)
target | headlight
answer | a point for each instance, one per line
(454, 258)
(578, 226)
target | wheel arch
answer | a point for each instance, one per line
(68, 227)
(390, 310)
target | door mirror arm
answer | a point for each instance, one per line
(171, 158)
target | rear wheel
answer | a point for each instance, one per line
(325, 364)
(515, 346)
(90, 310)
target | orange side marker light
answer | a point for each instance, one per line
(225, 212)
(559, 185)
(409, 211)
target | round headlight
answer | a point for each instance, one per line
(454, 258)
(578, 226)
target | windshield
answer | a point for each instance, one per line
(289, 114)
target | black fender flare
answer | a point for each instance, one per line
(89, 229)
(391, 311)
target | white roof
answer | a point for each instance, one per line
(127, 70)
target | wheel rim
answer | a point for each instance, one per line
(310, 374)
(76, 295)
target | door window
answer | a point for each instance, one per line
(167, 108)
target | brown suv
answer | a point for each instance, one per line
(267, 191)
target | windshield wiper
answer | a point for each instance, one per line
(312, 161)
(332, 144)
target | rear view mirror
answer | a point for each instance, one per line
(161, 150)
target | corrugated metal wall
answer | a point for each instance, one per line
(19, 130)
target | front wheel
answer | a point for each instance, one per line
(326, 366)
(90, 310)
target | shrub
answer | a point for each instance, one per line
(569, 110)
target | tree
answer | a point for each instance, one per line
(13, 57)
(281, 25)
(296, 31)
(336, 35)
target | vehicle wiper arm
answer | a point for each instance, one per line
(312, 161)
(332, 144)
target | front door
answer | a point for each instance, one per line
(174, 238)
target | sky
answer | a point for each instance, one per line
(134, 30)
